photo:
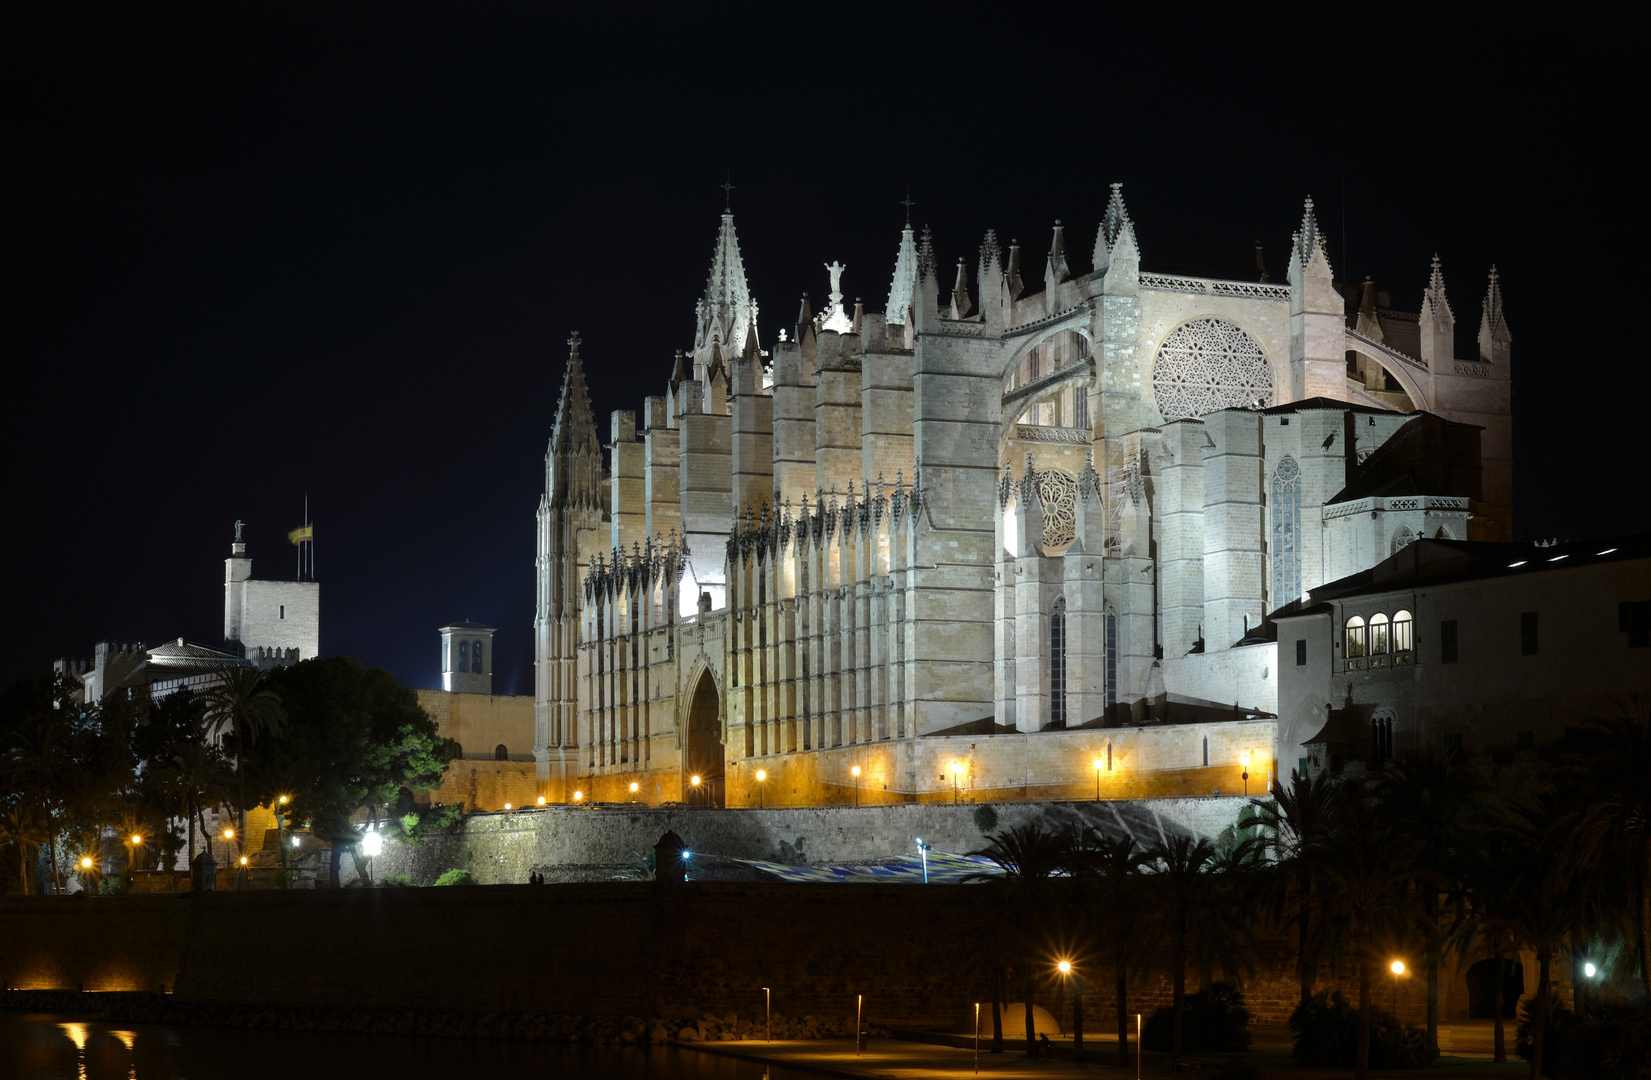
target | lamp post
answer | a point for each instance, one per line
(1397, 967)
(635, 787)
(1246, 762)
(280, 844)
(1099, 764)
(1076, 990)
(768, 1013)
(578, 796)
(693, 784)
(923, 850)
(762, 777)
(957, 773)
(855, 772)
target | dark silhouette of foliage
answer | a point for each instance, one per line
(1215, 1021)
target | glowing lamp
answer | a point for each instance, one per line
(957, 768)
(855, 771)
(694, 779)
(1245, 759)
(507, 806)
(282, 800)
(85, 862)
(1098, 764)
(762, 774)
(372, 843)
(136, 839)
(229, 834)
(578, 796)
(1589, 969)
(541, 800)
(1064, 967)
(635, 787)
(243, 860)
(295, 841)
(1397, 967)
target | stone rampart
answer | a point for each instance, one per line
(590, 842)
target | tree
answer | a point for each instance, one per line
(1543, 905)
(240, 700)
(1029, 856)
(1194, 908)
(1606, 834)
(1434, 805)
(1117, 862)
(198, 778)
(23, 826)
(1367, 876)
(352, 739)
(1491, 879)
(1298, 817)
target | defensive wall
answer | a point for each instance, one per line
(596, 950)
(590, 842)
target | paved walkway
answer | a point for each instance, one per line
(895, 1059)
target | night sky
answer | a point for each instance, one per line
(262, 251)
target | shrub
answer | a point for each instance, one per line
(1327, 1033)
(420, 820)
(985, 818)
(639, 866)
(1608, 1039)
(396, 881)
(457, 877)
(1213, 1021)
(111, 886)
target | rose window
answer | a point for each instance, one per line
(1206, 365)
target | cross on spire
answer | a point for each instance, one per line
(727, 193)
(908, 204)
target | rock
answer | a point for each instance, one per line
(688, 1034)
(731, 1020)
(658, 1033)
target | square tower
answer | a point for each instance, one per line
(467, 658)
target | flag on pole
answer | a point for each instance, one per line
(303, 535)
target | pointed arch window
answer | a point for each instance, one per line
(464, 656)
(1110, 620)
(1057, 665)
(476, 657)
(1286, 532)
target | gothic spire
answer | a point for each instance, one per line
(1310, 241)
(1115, 224)
(1494, 334)
(1056, 271)
(1434, 303)
(905, 276)
(926, 265)
(726, 311)
(1012, 271)
(961, 304)
(574, 461)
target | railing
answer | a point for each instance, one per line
(1252, 290)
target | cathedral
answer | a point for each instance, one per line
(1005, 538)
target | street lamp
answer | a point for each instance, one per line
(541, 800)
(923, 850)
(855, 772)
(957, 773)
(1590, 970)
(578, 796)
(1397, 967)
(1099, 765)
(1076, 990)
(1246, 761)
(635, 787)
(762, 777)
(694, 783)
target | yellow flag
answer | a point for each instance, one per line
(298, 536)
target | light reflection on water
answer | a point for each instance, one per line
(37, 1046)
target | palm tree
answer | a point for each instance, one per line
(1194, 909)
(1367, 876)
(1491, 878)
(1298, 818)
(1118, 862)
(43, 766)
(1545, 905)
(1606, 836)
(1434, 805)
(239, 701)
(1029, 855)
(24, 826)
(198, 781)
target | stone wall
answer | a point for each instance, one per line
(593, 842)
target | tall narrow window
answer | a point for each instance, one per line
(1301, 652)
(476, 657)
(1206, 751)
(283, 611)
(501, 753)
(1447, 641)
(1378, 633)
(1111, 659)
(1354, 646)
(464, 656)
(1403, 632)
(1057, 665)
(1527, 633)
(1286, 532)
(1080, 407)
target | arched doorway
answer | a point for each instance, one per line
(1482, 988)
(704, 758)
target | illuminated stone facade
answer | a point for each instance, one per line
(983, 539)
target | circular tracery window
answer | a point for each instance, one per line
(1206, 365)
(1058, 492)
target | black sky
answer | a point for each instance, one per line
(259, 251)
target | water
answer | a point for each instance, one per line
(40, 1046)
